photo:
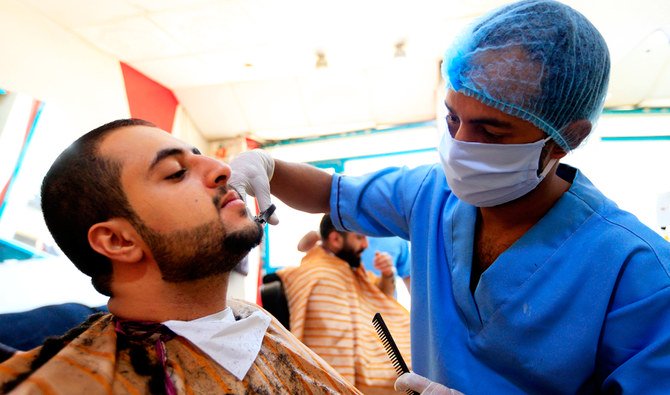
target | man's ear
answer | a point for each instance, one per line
(578, 131)
(117, 240)
(335, 241)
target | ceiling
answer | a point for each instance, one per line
(249, 67)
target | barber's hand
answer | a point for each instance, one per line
(420, 384)
(251, 174)
(383, 262)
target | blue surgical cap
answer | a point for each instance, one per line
(538, 60)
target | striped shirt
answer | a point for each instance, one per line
(331, 308)
(96, 363)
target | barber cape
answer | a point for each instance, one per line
(103, 359)
(331, 308)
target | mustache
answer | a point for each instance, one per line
(221, 191)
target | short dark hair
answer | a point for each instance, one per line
(81, 189)
(326, 227)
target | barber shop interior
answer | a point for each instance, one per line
(355, 197)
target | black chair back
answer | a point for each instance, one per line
(274, 299)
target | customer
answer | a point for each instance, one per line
(331, 301)
(157, 227)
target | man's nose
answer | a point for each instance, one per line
(218, 173)
(467, 133)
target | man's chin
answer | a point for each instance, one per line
(241, 241)
(238, 221)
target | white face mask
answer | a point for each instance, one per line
(487, 175)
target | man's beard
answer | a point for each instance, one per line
(204, 251)
(347, 254)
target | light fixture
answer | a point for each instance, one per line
(666, 29)
(400, 49)
(321, 61)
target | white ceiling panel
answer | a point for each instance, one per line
(404, 91)
(132, 39)
(77, 13)
(214, 108)
(636, 77)
(162, 5)
(275, 104)
(187, 69)
(209, 26)
(248, 67)
(258, 63)
(330, 97)
(624, 23)
(659, 92)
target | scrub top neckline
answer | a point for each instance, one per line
(507, 274)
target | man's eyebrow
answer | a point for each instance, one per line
(492, 122)
(485, 120)
(169, 152)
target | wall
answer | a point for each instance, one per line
(184, 128)
(81, 86)
(148, 99)
(635, 172)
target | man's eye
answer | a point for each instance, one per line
(451, 118)
(490, 137)
(176, 176)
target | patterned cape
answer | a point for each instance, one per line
(99, 360)
(331, 308)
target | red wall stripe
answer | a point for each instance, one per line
(149, 100)
(35, 110)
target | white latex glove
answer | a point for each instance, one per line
(251, 174)
(414, 382)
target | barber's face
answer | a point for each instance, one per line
(353, 246)
(470, 120)
(192, 222)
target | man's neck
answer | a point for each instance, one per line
(497, 228)
(325, 247)
(524, 212)
(161, 301)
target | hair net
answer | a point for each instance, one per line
(538, 60)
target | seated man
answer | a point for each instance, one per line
(378, 263)
(332, 300)
(158, 229)
(396, 248)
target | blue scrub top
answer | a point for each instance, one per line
(579, 304)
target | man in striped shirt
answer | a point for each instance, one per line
(158, 229)
(332, 300)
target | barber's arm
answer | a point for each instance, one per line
(299, 185)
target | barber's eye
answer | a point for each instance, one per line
(452, 124)
(451, 118)
(176, 176)
(490, 136)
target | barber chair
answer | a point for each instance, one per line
(6, 352)
(274, 300)
(28, 329)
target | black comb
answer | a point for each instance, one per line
(390, 347)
